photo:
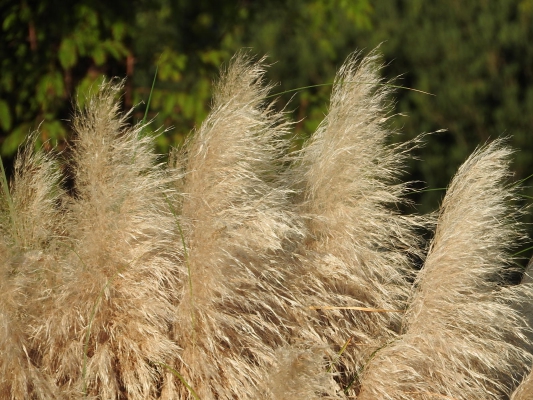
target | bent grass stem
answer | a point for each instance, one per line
(181, 378)
(186, 257)
(342, 82)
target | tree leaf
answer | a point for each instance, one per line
(5, 116)
(67, 54)
(13, 141)
(99, 55)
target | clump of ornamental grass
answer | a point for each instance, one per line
(462, 338)
(357, 251)
(239, 271)
(237, 226)
(107, 330)
(30, 226)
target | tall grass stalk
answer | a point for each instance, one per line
(186, 260)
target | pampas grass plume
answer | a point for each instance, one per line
(118, 284)
(237, 222)
(462, 337)
(241, 271)
(358, 248)
(30, 227)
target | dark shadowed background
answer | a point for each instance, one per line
(476, 57)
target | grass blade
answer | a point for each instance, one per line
(181, 378)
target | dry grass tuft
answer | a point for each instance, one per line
(119, 279)
(237, 224)
(358, 248)
(239, 271)
(30, 226)
(462, 337)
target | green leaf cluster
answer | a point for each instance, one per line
(49, 52)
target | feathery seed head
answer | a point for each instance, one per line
(463, 338)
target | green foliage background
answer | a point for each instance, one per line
(474, 56)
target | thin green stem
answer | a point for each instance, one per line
(150, 95)
(358, 82)
(76, 253)
(522, 251)
(429, 190)
(181, 378)
(143, 124)
(357, 373)
(522, 180)
(186, 257)
(339, 355)
(7, 194)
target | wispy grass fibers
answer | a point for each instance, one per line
(462, 337)
(356, 254)
(119, 279)
(239, 271)
(236, 223)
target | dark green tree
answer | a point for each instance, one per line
(49, 52)
(477, 59)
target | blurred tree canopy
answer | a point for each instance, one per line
(474, 56)
(477, 59)
(49, 51)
